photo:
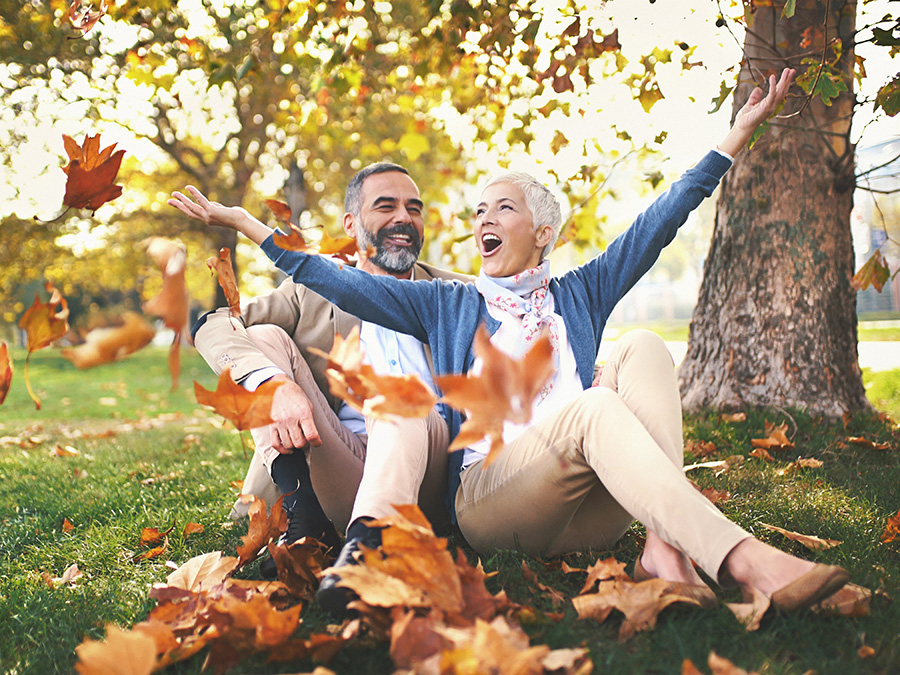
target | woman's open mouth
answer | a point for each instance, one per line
(490, 242)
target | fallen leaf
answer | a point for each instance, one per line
(718, 664)
(809, 541)
(43, 323)
(374, 395)
(530, 577)
(153, 552)
(191, 528)
(84, 18)
(603, 570)
(222, 265)
(151, 535)
(749, 614)
(123, 653)
(6, 371)
(67, 526)
(804, 463)
(245, 409)
(105, 345)
(496, 647)
(852, 600)
(262, 529)
(299, 566)
(202, 571)
(891, 529)
(733, 417)
(91, 173)
(60, 450)
(700, 448)
(776, 438)
(70, 574)
(716, 496)
(505, 389)
(763, 454)
(866, 652)
(866, 443)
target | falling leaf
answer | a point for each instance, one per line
(191, 528)
(641, 602)
(851, 601)
(84, 18)
(262, 529)
(67, 526)
(342, 248)
(91, 173)
(775, 439)
(222, 265)
(293, 241)
(6, 371)
(504, 390)
(122, 653)
(374, 395)
(151, 535)
(866, 443)
(43, 323)
(171, 303)
(892, 529)
(749, 614)
(245, 409)
(280, 210)
(105, 345)
(874, 272)
(809, 541)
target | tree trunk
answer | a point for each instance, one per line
(775, 323)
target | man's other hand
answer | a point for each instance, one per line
(292, 411)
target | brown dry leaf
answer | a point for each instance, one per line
(640, 602)
(763, 454)
(496, 647)
(43, 323)
(171, 303)
(153, 552)
(866, 443)
(750, 613)
(852, 600)
(719, 666)
(67, 526)
(700, 448)
(802, 463)
(809, 541)
(222, 265)
(280, 210)
(866, 652)
(262, 529)
(91, 172)
(414, 639)
(123, 653)
(151, 535)
(715, 496)
(105, 345)
(733, 417)
(202, 571)
(776, 438)
(84, 17)
(530, 577)
(372, 394)
(603, 570)
(6, 371)
(299, 565)
(245, 409)
(191, 528)
(874, 272)
(60, 450)
(504, 390)
(292, 241)
(891, 529)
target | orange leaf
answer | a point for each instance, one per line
(504, 390)
(123, 653)
(105, 345)
(171, 304)
(43, 324)
(852, 600)
(153, 552)
(700, 448)
(342, 247)
(372, 394)
(293, 241)
(299, 566)
(809, 541)
(227, 281)
(892, 529)
(763, 454)
(776, 439)
(733, 417)
(874, 272)
(500, 646)
(245, 409)
(151, 535)
(191, 528)
(85, 18)
(602, 570)
(91, 174)
(280, 210)
(6, 371)
(262, 529)
(866, 443)
(67, 526)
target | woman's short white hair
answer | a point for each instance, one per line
(544, 207)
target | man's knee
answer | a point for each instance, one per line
(267, 333)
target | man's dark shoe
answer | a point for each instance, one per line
(299, 527)
(330, 596)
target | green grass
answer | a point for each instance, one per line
(148, 477)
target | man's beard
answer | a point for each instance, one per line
(391, 258)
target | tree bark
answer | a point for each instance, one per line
(775, 322)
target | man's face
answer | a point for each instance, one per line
(390, 221)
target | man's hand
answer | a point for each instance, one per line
(755, 111)
(292, 411)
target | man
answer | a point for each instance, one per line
(271, 341)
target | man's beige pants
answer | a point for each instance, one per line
(580, 478)
(406, 462)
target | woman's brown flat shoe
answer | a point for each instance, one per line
(702, 594)
(814, 586)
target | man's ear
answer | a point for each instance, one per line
(350, 225)
(543, 236)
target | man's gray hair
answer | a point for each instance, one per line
(353, 196)
(544, 207)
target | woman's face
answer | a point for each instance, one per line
(504, 232)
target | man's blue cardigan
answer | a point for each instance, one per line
(446, 314)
